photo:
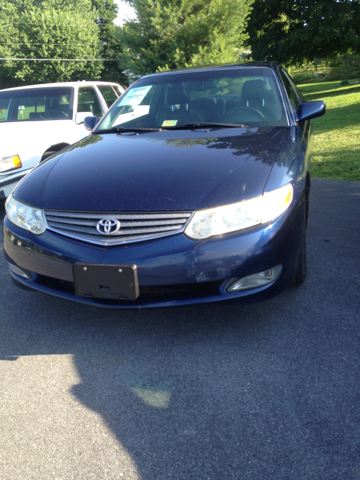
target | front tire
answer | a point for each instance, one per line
(301, 272)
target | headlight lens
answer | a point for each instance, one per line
(10, 163)
(24, 216)
(238, 216)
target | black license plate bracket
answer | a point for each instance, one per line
(114, 282)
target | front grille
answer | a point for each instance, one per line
(134, 227)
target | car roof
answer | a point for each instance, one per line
(64, 84)
(223, 66)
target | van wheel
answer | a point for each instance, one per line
(47, 155)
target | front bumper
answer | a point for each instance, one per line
(171, 271)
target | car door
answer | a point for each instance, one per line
(108, 93)
(303, 129)
(88, 102)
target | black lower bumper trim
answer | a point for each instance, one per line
(21, 285)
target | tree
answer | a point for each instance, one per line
(170, 34)
(47, 29)
(295, 31)
(111, 47)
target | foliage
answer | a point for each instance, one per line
(341, 67)
(111, 48)
(345, 66)
(303, 77)
(294, 31)
(47, 29)
(170, 34)
(337, 133)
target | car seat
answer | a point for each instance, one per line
(254, 94)
(35, 116)
(177, 107)
(207, 108)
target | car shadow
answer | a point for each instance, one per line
(333, 90)
(218, 392)
(188, 392)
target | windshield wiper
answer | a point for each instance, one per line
(206, 125)
(187, 126)
(128, 130)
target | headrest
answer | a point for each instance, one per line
(253, 90)
(177, 96)
(205, 102)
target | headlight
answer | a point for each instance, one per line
(24, 216)
(10, 163)
(238, 216)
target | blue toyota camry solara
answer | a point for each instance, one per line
(193, 188)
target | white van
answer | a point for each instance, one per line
(38, 120)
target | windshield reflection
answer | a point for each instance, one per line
(237, 95)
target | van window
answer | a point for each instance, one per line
(36, 104)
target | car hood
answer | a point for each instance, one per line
(160, 171)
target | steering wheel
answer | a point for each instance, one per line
(55, 112)
(232, 116)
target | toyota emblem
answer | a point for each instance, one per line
(108, 226)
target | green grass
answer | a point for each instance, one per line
(336, 134)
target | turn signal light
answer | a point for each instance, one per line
(10, 163)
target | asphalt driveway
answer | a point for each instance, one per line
(266, 391)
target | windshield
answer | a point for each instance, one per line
(36, 104)
(243, 95)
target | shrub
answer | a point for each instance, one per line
(343, 72)
(303, 77)
(344, 66)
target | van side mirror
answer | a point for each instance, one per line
(80, 117)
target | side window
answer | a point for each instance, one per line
(118, 91)
(30, 108)
(36, 104)
(4, 108)
(88, 101)
(108, 93)
(292, 93)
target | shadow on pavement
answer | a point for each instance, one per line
(214, 392)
